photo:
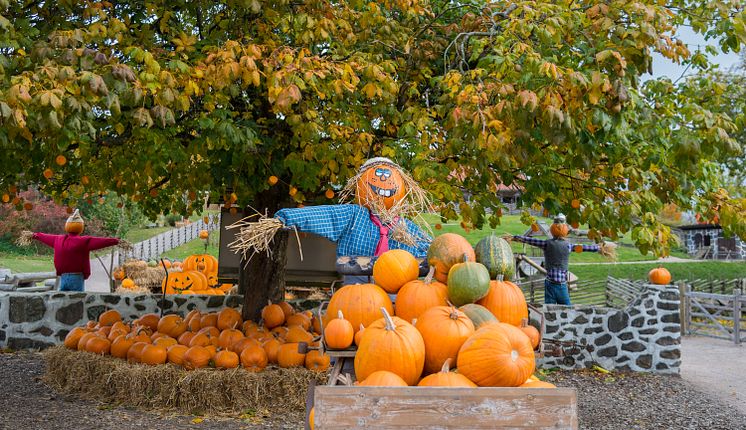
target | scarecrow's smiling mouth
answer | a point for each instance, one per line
(383, 192)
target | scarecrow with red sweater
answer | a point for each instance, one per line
(72, 251)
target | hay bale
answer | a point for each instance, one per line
(169, 387)
(151, 277)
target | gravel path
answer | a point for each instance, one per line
(616, 401)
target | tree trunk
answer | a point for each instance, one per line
(263, 278)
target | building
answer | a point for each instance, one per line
(708, 241)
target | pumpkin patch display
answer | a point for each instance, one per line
(467, 282)
(395, 268)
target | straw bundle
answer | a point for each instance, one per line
(25, 238)
(168, 387)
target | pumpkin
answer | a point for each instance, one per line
(391, 344)
(148, 320)
(139, 335)
(467, 282)
(226, 360)
(253, 358)
(196, 357)
(659, 276)
(273, 315)
(299, 320)
(199, 282)
(201, 339)
(497, 355)
(272, 347)
(380, 185)
(415, 297)
(296, 334)
(128, 284)
(176, 354)
(506, 301)
(359, 335)
(98, 345)
(229, 318)
(395, 268)
(242, 344)
(134, 354)
(532, 333)
(360, 304)
(288, 356)
(212, 349)
(496, 255)
(444, 329)
(478, 314)
(383, 378)
(176, 282)
(212, 332)
(200, 262)
(113, 334)
(154, 354)
(228, 337)
(204, 234)
(279, 332)
(194, 323)
(447, 250)
(74, 227)
(165, 341)
(537, 384)
(104, 331)
(317, 361)
(339, 333)
(315, 323)
(83, 340)
(559, 229)
(186, 338)
(120, 346)
(119, 275)
(73, 337)
(209, 320)
(446, 378)
(311, 415)
(172, 325)
(109, 317)
(287, 309)
(120, 326)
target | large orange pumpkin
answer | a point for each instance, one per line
(73, 337)
(317, 361)
(109, 317)
(506, 302)
(446, 378)
(660, 276)
(287, 309)
(447, 250)
(288, 356)
(120, 346)
(226, 360)
(229, 318)
(176, 354)
(134, 354)
(196, 357)
(83, 340)
(383, 378)
(98, 345)
(444, 329)
(209, 320)
(272, 347)
(228, 337)
(176, 282)
(497, 355)
(273, 315)
(153, 354)
(204, 263)
(299, 320)
(415, 297)
(339, 333)
(360, 304)
(395, 268)
(392, 344)
(172, 325)
(254, 358)
(380, 185)
(559, 229)
(148, 320)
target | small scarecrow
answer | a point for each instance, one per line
(71, 251)
(557, 257)
(383, 196)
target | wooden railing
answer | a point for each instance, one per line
(713, 314)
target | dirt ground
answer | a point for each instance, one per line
(614, 401)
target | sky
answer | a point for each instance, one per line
(664, 67)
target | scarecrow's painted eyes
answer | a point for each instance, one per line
(383, 173)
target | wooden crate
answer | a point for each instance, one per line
(341, 407)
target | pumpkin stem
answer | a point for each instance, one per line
(446, 366)
(500, 277)
(466, 258)
(454, 313)
(430, 275)
(414, 321)
(524, 322)
(339, 315)
(387, 319)
(269, 302)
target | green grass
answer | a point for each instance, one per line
(196, 246)
(703, 270)
(22, 264)
(139, 234)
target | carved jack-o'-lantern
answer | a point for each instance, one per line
(74, 224)
(380, 185)
(178, 282)
(205, 263)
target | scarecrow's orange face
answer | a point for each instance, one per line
(381, 183)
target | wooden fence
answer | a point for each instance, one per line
(714, 314)
(611, 292)
(152, 248)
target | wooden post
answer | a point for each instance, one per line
(683, 314)
(737, 316)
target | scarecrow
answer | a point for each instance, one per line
(370, 220)
(556, 258)
(71, 251)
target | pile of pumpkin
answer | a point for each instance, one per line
(221, 340)
(197, 274)
(456, 317)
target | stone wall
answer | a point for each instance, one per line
(645, 336)
(39, 320)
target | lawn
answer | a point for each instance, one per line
(139, 234)
(703, 270)
(21, 264)
(196, 246)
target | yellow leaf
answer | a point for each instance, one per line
(370, 90)
(197, 420)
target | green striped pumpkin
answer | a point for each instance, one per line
(478, 314)
(497, 256)
(467, 283)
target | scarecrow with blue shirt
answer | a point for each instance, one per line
(379, 199)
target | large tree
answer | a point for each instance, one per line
(163, 101)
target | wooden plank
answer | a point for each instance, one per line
(439, 408)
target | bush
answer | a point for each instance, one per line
(172, 219)
(115, 221)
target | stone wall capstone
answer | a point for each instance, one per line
(645, 336)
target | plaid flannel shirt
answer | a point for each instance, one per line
(555, 274)
(350, 227)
